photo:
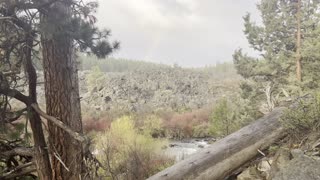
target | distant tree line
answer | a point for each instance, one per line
(219, 70)
(87, 62)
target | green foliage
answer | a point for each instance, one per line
(222, 119)
(87, 62)
(275, 41)
(14, 132)
(153, 125)
(17, 132)
(230, 115)
(59, 25)
(311, 60)
(304, 118)
(220, 70)
(80, 27)
(201, 130)
(273, 149)
(127, 153)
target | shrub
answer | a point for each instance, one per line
(201, 130)
(97, 122)
(222, 119)
(97, 125)
(128, 154)
(232, 114)
(185, 125)
(153, 126)
(304, 118)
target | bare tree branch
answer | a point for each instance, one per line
(19, 167)
(81, 138)
(13, 116)
(15, 94)
(17, 172)
(22, 151)
(5, 18)
(59, 159)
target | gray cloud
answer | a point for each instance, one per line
(187, 32)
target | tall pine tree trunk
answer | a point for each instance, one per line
(298, 43)
(62, 93)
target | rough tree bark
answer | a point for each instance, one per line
(228, 154)
(41, 157)
(62, 95)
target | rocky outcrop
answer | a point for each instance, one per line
(148, 90)
(284, 165)
(170, 88)
(300, 167)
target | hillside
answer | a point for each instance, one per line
(147, 86)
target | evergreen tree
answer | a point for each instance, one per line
(282, 40)
(62, 27)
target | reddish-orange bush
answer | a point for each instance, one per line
(175, 125)
(96, 124)
(181, 125)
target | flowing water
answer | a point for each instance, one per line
(184, 148)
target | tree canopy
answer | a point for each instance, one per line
(284, 40)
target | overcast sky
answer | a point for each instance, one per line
(191, 33)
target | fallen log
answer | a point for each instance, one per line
(226, 155)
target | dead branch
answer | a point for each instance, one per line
(59, 159)
(15, 115)
(10, 73)
(19, 167)
(15, 94)
(17, 172)
(81, 138)
(22, 151)
(5, 18)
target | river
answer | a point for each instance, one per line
(179, 150)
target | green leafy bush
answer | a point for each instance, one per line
(201, 130)
(153, 126)
(222, 119)
(304, 118)
(230, 115)
(128, 154)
